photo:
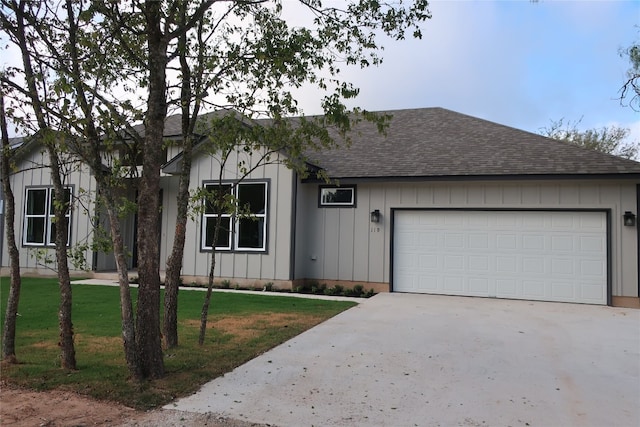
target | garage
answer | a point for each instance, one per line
(519, 254)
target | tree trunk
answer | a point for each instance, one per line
(204, 314)
(68, 352)
(68, 356)
(126, 304)
(9, 331)
(207, 298)
(106, 190)
(149, 342)
(174, 263)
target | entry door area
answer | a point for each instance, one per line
(532, 255)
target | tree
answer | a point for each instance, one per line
(631, 88)
(17, 29)
(610, 139)
(62, 91)
(111, 63)
(253, 60)
(9, 331)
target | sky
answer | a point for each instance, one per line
(518, 63)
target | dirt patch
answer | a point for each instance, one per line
(21, 407)
(24, 408)
(95, 344)
(247, 327)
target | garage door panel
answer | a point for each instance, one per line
(563, 243)
(454, 241)
(479, 241)
(429, 262)
(506, 241)
(454, 284)
(506, 288)
(533, 242)
(533, 289)
(427, 240)
(563, 291)
(591, 244)
(454, 262)
(479, 263)
(592, 292)
(534, 265)
(506, 264)
(592, 268)
(538, 255)
(429, 283)
(479, 286)
(563, 267)
(593, 222)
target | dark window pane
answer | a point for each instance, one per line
(52, 237)
(215, 192)
(252, 196)
(251, 233)
(36, 202)
(223, 234)
(337, 195)
(52, 207)
(35, 230)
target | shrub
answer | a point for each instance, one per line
(318, 289)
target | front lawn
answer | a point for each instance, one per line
(241, 326)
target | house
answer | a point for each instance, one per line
(443, 203)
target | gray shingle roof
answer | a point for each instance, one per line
(435, 142)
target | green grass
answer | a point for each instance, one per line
(241, 327)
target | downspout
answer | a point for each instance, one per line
(292, 233)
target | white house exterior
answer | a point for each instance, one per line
(464, 207)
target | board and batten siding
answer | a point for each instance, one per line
(342, 243)
(33, 174)
(274, 264)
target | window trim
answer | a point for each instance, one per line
(351, 204)
(48, 216)
(234, 238)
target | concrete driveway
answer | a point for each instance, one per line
(422, 360)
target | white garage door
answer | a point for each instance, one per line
(533, 255)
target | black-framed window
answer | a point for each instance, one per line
(337, 196)
(244, 224)
(39, 216)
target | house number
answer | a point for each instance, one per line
(375, 229)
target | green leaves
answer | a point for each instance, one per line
(610, 139)
(630, 90)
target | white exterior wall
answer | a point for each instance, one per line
(274, 264)
(33, 174)
(347, 246)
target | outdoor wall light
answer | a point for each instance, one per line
(629, 219)
(375, 216)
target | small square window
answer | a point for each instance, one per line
(344, 196)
